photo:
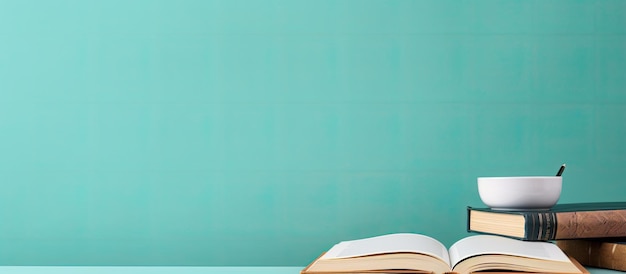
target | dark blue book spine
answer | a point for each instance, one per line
(540, 226)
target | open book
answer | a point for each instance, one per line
(415, 253)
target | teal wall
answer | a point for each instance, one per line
(262, 132)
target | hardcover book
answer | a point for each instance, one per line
(416, 253)
(563, 221)
(601, 253)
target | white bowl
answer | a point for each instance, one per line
(520, 193)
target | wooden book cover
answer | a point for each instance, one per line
(563, 221)
(601, 253)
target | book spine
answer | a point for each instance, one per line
(596, 253)
(540, 226)
(590, 224)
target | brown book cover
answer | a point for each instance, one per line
(563, 221)
(602, 253)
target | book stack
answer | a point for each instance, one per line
(559, 240)
(592, 233)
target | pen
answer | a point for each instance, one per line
(560, 170)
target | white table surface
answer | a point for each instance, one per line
(176, 269)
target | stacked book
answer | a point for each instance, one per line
(592, 233)
(559, 240)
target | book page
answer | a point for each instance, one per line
(391, 243)
(489, 244)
